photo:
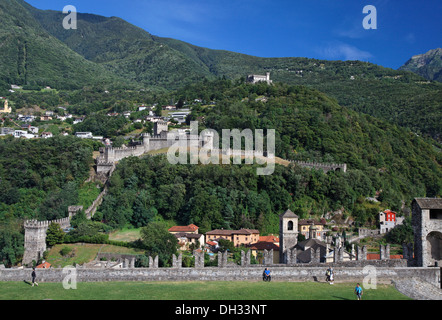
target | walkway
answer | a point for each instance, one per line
(418, 289)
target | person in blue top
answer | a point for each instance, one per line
(358, 291)
(266, 275)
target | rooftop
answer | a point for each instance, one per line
(223, 232)
(189, 228)
(429, 203)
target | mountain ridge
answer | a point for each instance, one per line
(427, 65)
(140, 59)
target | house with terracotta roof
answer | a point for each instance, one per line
(388, 220)
(186, 239)
(191, 228)
(238, 237)
(265, 243)
(187, 235)
(44, 265)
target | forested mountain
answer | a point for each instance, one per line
(400, 97)
(31, 56)
(309, 125)
(427, 65)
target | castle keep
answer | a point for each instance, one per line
(427, 227)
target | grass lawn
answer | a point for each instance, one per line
(127, 235)
(207, 290)
(82, 253)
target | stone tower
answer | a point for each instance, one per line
(35, 240)
(288, 234)
(427, 227)
(159, 127)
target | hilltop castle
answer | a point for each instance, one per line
(255, 78)
(161, 139)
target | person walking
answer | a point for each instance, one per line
(327, 274)
(358, 291)
(34, 276)
(332, 276)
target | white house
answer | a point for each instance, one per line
(46, 135)
(33, 129)
(23, 134)
(84, 135)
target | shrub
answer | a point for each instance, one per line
(65, 251)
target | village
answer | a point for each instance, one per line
(313, 234)
(47, 123)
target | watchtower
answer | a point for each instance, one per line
(35, 240)
(288, 234)
(427, 227)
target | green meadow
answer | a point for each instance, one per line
(195, 290)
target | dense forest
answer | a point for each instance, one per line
(382, 158)
(39, 179)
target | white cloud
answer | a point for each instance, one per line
(343, 51)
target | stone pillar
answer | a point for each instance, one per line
(177, 262)
(245, 258)
(199, 259)
(153, 262)
(362, 253)
(293, 256)
(132, 263)
(222, 259)
(384, 252)
(387, 251)
(268, 257)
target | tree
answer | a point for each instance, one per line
(54, 234)
(402, 233)
(158, 241)
(225, 245)
(143, 211)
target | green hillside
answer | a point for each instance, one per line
(124, 49)
(399, 97)
(310, 126)
(111, 48)
(31, 56)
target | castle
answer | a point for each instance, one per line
(160, 139)
(255, 78)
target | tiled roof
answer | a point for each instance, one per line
(309, 221)
(189, 228)
(270, 238)
(264, 246)
(188, 235)
(377, 256)
(289, 214)
(223, 232)
(44, 265)
(429, 203)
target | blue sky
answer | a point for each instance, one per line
(321, 29)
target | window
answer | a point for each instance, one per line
(436, 214)
(290, 226)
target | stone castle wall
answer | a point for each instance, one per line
(251, 273)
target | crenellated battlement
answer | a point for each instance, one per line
(319, 165)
